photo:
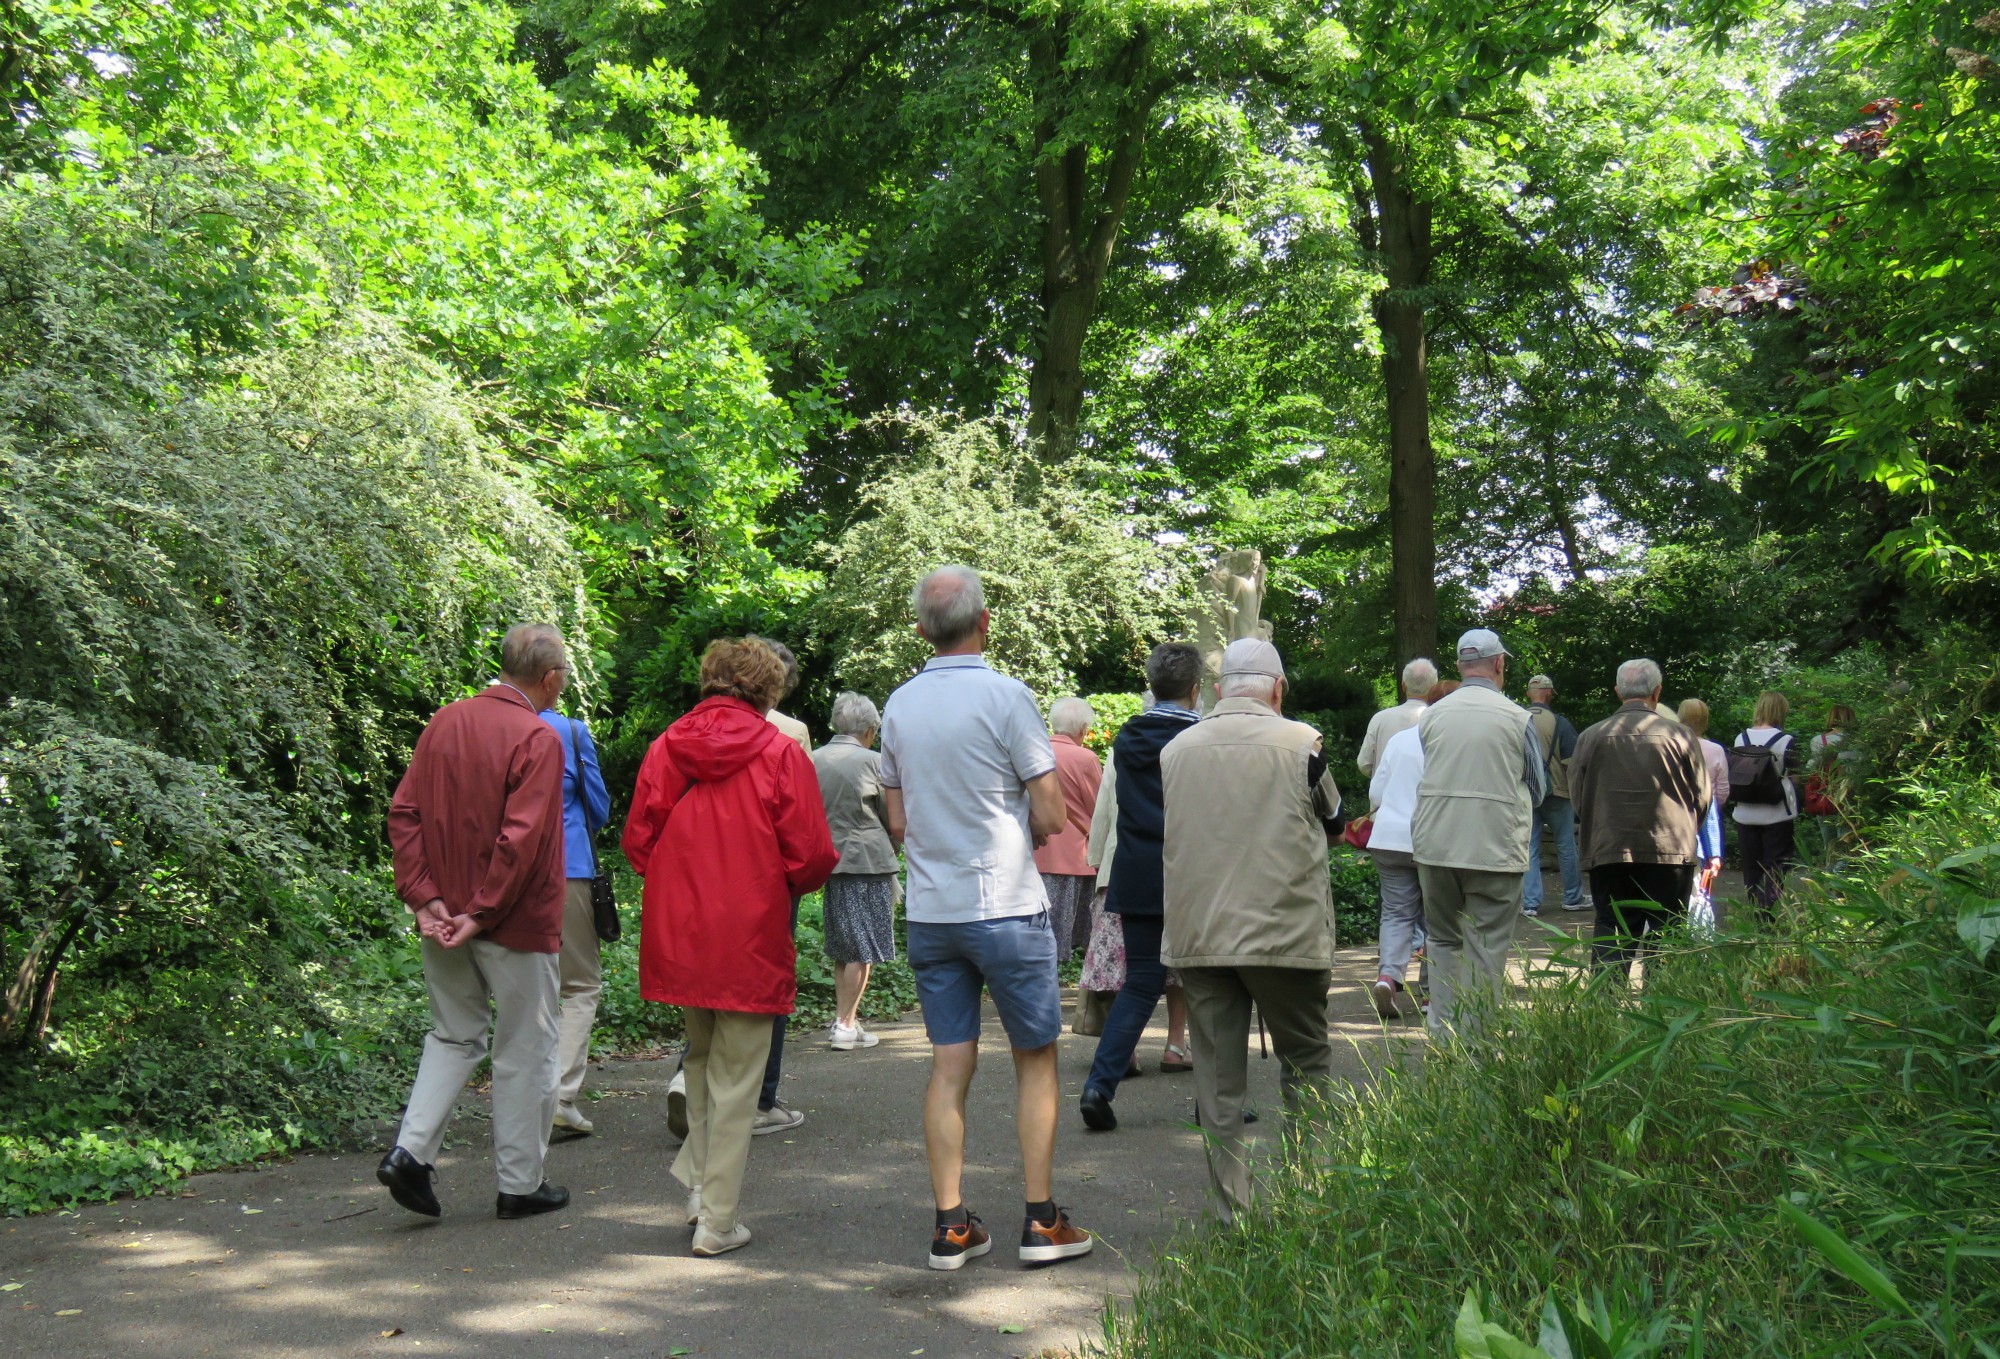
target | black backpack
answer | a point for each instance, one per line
(1757, 772)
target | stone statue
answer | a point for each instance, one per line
(1231, 595)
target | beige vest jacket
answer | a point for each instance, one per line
(1473, 808)
(1245, 853)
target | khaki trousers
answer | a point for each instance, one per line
(1469, 918)
(726, 1052)
(474, 987)
(582, 981)
(1293, 1003)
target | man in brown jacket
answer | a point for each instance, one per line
(1640, 785)
(1250, 809)
(477, 832)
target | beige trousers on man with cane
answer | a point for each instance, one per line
(582, 973)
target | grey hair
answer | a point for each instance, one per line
(948, 603)
(1419, 677)
(1260, 687)
(1638, 678)
(530, 650)
(1071, 717)
(855, 714)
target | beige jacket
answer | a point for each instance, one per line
(857, 810)
(1248, 801)
(792, 727)
(1482, 778)
(1104, 827)
(1381, 727)
(1641, 788)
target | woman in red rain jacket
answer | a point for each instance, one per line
(727, 829)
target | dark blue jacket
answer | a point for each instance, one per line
(1138, 884)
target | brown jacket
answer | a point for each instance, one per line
(478, 820)
(1640, 786)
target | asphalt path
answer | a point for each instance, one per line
(311, 1260)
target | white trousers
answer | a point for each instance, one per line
(481, 985)
(582, 981)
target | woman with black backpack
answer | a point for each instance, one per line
(1765, 798)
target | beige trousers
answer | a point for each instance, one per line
(726, 1052)
(582, 981)
(1469, 918)
(474, 987)
(1293, 1003)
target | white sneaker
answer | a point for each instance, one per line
(845, 1039)
(569, 1120)
(694, 1206)
(708, 1243)
(677, 1105)
(777, 1118)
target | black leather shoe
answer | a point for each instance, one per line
(1096, 1109)
(544, 1200)
(409, 1182)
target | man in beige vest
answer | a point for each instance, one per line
(1250, 810)
(1483, 776)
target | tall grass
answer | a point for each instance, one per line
(1782, 1145)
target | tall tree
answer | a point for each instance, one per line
(990, 150)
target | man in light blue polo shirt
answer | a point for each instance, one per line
(971, 788)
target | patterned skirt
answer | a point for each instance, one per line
(1069, 905)
(1104, 960)
(861, 917)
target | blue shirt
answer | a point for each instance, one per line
(586, 801)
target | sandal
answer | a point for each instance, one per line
(1175, 1060)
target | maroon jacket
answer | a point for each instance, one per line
(478, 820)
(727, 828)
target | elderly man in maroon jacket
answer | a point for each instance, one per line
(477, 830)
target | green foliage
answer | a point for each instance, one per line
(1070, 581)
(1113, 711)
(1632, 1149)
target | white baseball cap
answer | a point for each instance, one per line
(1252, 656)
(1481, 644)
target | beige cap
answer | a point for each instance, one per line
(1541, 682)
(1252, 656)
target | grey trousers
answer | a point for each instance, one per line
(481, 984)
(1402, 911)
(1469, 918)
(1293, 1003)
(582, 974)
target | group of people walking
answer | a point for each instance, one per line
(1190, 866)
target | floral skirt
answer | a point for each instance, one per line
(861, 917)
(1104, 960)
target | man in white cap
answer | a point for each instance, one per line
(1250, 810)
(1483, 777)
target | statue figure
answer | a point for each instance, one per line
(1232, 593)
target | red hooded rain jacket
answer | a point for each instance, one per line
(727, 828)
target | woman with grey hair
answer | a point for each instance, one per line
(861, 896)
(1063, 859)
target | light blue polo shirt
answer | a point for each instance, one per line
(962, 742)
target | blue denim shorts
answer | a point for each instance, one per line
(1014, 959)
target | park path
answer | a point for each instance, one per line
(310, 1259)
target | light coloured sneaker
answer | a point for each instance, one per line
(569, 1120)
(777, 1118)
(694, 1206)
(1384, 995)
(708, 1243)
(677, 1105)
(845, 1039)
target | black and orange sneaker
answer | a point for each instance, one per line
(1044, 1243)
(954, 1243)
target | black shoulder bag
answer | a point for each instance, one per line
(603, 900)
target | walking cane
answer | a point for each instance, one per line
(1263, 1052)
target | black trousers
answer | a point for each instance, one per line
(1635, 902)
(1767, 853)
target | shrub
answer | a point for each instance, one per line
(1784, 1145)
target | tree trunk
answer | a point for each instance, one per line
(1403, 230)
(1080, 225)
(24, 1010)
